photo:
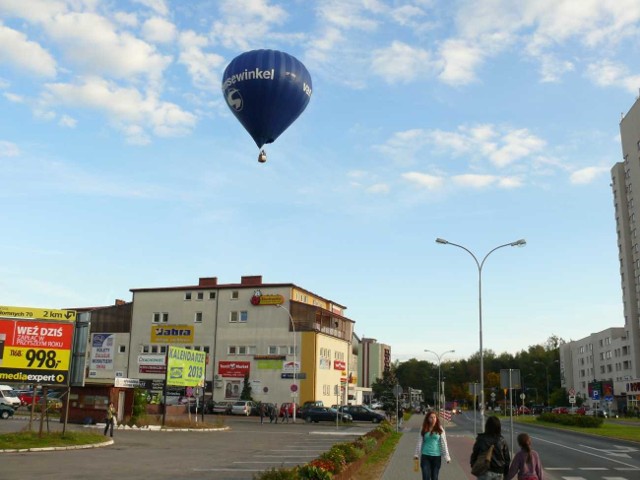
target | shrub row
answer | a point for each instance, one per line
(332, 462)
(583, 421)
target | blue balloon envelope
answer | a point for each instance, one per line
(266, 90)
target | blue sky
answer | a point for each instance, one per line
(481, 122)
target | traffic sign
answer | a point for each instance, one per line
(294, 388)
(572, 399)
(522, 396)
(596, 395)
(29, 313)
(572, 391)
(397, 390)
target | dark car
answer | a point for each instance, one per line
(6, 411)
(322, 414)
(361, 413)
(208, 405)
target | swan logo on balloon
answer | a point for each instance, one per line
(266, 90)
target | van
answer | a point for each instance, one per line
(9, 396)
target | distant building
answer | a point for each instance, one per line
(374, 359)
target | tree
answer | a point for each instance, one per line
(383, 390)
(246, 393)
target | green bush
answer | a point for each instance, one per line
(311, 472)
(368, 444)
(334, 456)
(386, 427)
(277, 474)
(350, 451)
(583, 421)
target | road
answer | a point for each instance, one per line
(573, 456)
(237, 454)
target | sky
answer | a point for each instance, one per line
(480, 122)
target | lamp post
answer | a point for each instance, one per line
(546, 375)
(295, 362)
(517, 243)
(439, 357)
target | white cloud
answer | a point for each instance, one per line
(379, 188)
(510, 182)
(516, 144)
(246, 22)
(67, 121)
(608, 73)
(159, 30)
(474, 180)
(348, 15)
(431, 182)
(127, 107)
(587, 175)
(126, 19)
(24, 54)
(401, 63)
(202, 67)
(13, 97)
(460, 58)
(158, 6)
(8, 149)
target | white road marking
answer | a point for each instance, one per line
(540, 439)
(592, 469)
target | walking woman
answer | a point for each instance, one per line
(111, 418)
(500, 458)
(526, 463)
(431, 447)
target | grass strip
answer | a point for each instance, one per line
(23, 440)
(608, 429)
(377, 461)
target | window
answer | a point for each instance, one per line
(187, 295)
(282, 350)
(292, 351)
(251, 350)
(212, 295)
(122, 349)
(244, 315)
(160, 317)
(234, 295)
(154, 348)
(198, 317)
(272, 350)
(242, 350)
(200, 295)
(145, 349)
(233, 317)
(232, 350)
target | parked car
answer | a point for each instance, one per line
(598, 412)
(523, 410)
(560, 410)
(223, 407)
(288, 406)
(6, 411)
(362, 413)
(537, 409)
(377, 405)
(321, 414)
(582, 411)
(198, 405)
(8, 396)
(310, 404)
(244, 407)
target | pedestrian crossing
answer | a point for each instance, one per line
(595, 473)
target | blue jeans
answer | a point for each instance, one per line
(491, 476)
(430, 467)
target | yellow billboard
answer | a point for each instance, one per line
(30, 313)
(172, 334)
(185, 367)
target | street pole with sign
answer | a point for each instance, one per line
(397, 391)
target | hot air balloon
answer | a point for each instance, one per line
(266, 90)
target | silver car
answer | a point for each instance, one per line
(244, 407)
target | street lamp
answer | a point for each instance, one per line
(517, 243)
(295, 363)
(439, 362)
(546, 373)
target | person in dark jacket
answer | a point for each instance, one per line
(500, 459)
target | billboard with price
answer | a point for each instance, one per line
(33, 351)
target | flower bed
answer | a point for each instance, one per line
(341, 462)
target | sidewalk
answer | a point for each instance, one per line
(460, 443)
